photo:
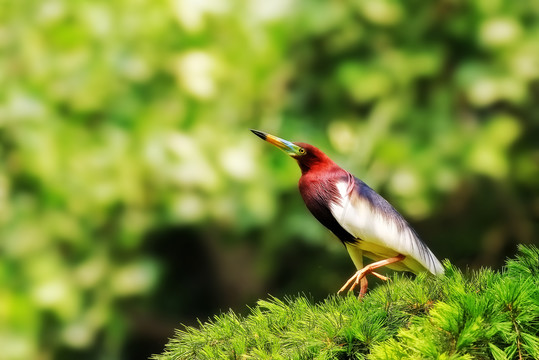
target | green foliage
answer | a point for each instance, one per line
(482, 315)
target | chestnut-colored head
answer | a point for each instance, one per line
(311, 157)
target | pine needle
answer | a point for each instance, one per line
(482, 315)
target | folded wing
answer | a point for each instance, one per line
(381, 231)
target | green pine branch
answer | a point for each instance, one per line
(482, 315)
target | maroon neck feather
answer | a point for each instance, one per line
(317, 185)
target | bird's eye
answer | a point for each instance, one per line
(302, 151)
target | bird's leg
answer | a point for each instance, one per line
(359, 276)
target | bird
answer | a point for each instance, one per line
(366, 223)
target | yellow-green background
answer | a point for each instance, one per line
(134, 198)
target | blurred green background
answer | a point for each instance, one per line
(134, 198)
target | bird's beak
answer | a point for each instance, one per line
(285, 145)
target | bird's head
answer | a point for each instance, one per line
(306, 155)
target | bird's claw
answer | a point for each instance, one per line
(360, 277)
(379, 276)
(354, 280)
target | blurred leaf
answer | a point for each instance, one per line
(125, 155)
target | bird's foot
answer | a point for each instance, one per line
(360, 278)
(355, 280)
(360, 275)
